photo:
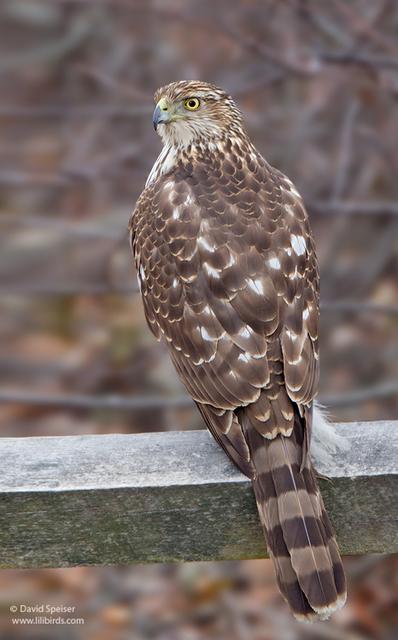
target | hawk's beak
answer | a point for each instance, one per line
(161, 114)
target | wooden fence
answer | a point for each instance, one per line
(164, 497)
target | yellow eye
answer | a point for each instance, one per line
(192, 104)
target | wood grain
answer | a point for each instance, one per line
(164, 497)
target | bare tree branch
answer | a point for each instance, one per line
(42, 289)
(66, 226)
(72, 111)
(351, 306)
(366, 59)
(376, 392)
(104, 402)
(346, 208)
(123, 403)
(53, 49)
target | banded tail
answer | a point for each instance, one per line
(297, 529)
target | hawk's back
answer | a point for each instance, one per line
(228, 274)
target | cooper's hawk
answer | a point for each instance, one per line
(229, 280)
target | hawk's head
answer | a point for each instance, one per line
(190, 112)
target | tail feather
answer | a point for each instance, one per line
(298, 532)
(285, 575)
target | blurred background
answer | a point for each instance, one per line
(318, 84)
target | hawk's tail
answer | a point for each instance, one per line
(297, 529)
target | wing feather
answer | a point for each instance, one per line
(228, 273)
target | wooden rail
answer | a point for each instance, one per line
(162, 497)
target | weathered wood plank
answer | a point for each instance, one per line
(119, 499)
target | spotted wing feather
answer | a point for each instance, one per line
(229, 280)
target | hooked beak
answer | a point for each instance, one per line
(160, 116)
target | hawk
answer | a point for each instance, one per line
(229, 280)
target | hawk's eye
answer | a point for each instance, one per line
(192, 104)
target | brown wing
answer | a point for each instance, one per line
(228, 275)
(229, 279)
